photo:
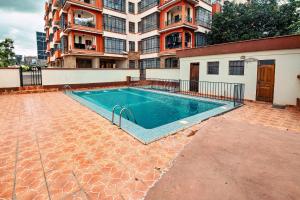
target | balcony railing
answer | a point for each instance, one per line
(178, 20)
(84, 46)
(91, 2)
(165, 3)
(172, 21)
(189, 19)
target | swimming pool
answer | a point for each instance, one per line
(150, 115)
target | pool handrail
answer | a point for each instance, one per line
(130, 112)
(113, 112)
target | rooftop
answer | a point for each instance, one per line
(265, 44)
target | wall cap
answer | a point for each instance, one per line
(264, 44)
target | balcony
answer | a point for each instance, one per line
(84, 44)
(88, 22)
(91, 4)
(86, 29)
(178, 16)
(83, 21)
(57, 54)
(171, 24)
(56, 4)
(175, 41)
(166, 3)
(46, 8)
(48, 46)
(85, 47)
(57, 37)
(56, 19)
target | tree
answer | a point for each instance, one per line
(6, 52)
(258, 19)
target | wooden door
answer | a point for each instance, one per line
(265, 82)
(194, 77)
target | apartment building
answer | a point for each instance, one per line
(123, 33)
(41, 45)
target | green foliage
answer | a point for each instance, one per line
(6, 53)
(25, 68)
(258, 19)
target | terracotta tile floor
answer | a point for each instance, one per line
(263, 113)
(51, 147)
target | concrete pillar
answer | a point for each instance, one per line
(162, 62)
(95, 63)
(70, 62)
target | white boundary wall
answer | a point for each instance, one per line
(84, 76)
(9, 78)
(163, 73)
(287, 67)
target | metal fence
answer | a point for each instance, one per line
(30, 77)
(215, 90)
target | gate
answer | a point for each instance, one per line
(30, 77)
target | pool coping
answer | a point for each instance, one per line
(160, 132)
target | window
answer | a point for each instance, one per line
(150, 22)
(171, 63)
(131, 8)
(236, 67)
(107, 63)
(203, 17)
(131, 27)
(131, 46)
(139, 45)
(212, 67)
(139, 27)
(150, 63)
(150, 45)
(131, 64)
(64, 44)
(114, 24)
(188, 40)
(118, 5)
(144, 5)
(200, 39)
(173, 41)
(114, 45)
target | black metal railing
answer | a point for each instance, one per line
(169, 85)
(214, 90)
(31, 76)
(172, 21)
(233, 92)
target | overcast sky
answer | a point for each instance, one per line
(19, 20)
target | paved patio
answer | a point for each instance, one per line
(234, 160)
(51, 147)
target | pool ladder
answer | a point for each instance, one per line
(67, 89)
(123, 109)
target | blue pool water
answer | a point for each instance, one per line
(150, 109)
